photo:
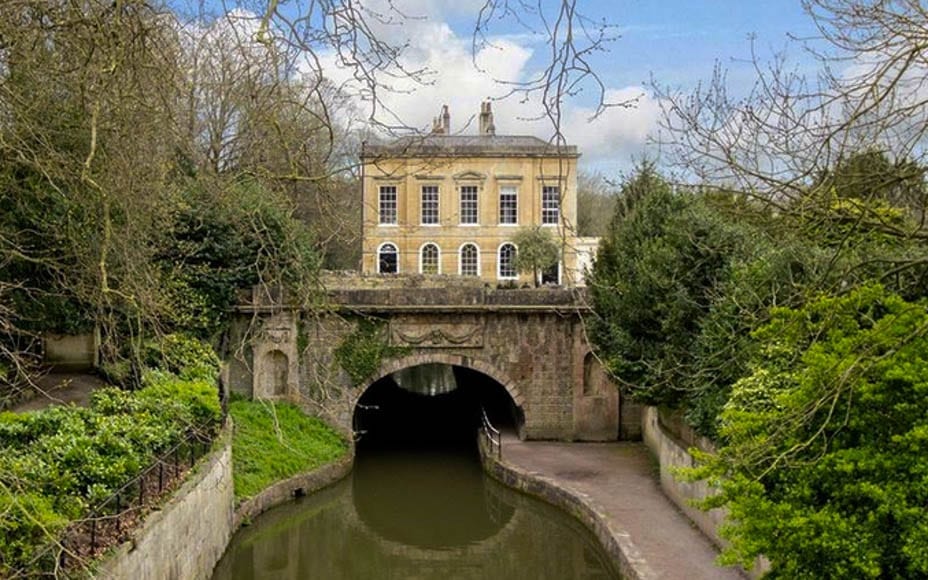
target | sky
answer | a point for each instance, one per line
(677, 43)
(674, 43)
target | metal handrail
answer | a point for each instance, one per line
(492, 434)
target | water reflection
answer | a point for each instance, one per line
(452, 506)
(415, 515)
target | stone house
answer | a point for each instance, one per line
(450, 204)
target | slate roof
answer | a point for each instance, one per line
(467, 146)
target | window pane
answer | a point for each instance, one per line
(551, 275)
(469, 257)
(507, 261)
(430, 204)
(508, 205)
(429, 259)
(550, 204)
(388, 204)
(387, 262)
(468, 204)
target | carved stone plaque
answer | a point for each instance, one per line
(437, 335)
(277, 335)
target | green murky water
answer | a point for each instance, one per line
(419, 514)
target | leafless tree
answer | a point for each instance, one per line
(791, 128)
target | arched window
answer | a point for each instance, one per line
(469, 260)
(387, 259)
(551, 276)
(507, 262)
(429, 259)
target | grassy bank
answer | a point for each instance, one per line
(275, 441)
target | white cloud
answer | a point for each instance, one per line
(619, 133)
(462, 81)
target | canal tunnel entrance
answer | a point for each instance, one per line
(417, 478)
(432, 405)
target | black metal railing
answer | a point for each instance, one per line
(110, 521)
(491, 434)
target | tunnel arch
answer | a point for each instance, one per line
(372, 400)
(397, 364)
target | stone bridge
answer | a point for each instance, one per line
(530, 341)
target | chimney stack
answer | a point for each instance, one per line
(486, 119)
(441, 125)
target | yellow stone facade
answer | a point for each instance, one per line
(447, 168)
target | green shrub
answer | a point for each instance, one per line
(28, 524)
(656, 276)
(195, 401)
(823, 467)
(57, 463)
(772, 275)
(185, 356)
(118, 372)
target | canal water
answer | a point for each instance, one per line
(417, 504)
(415, 514)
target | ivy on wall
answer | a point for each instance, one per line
(362, 352)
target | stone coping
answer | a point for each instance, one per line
(297, 486)
(617, 542)
(411, 292)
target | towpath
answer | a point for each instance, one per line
(619, 483)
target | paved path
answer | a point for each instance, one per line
(61, 389)
(620, 481)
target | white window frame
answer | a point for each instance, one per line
(422, 261)
(514, 191)
(380, 205)
(476, 202)
(422, 213)
(499, 262)
(377, 257)
(461, 258)
(545, 210)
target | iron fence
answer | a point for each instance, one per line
(110, 521)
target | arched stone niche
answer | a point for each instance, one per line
(277, 373)
(594, 377)
(276, 363)
(596, 403)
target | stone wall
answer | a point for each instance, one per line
(531, 341)
(186, 538)
(70, 352)
(669, 437)
(538, 358)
